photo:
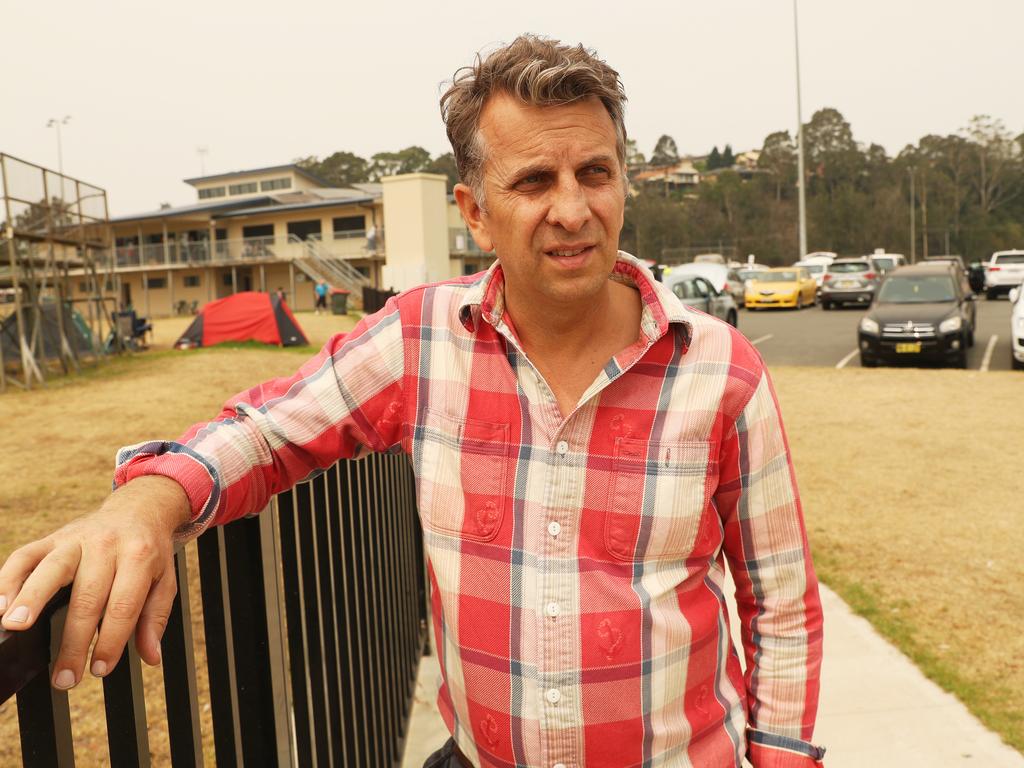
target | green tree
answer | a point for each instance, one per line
(728, 160)
(665, 152)
(445, 164)
(341, 169)
(408, 160)
(778, 158)
(714, 160)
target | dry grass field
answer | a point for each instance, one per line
(910, 479)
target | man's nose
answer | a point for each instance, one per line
(569, 207)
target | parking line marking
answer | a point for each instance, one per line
(988, 352)
(763, 338)
(842, 363)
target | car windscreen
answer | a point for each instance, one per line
(1010, 258)
(776, 277)
(849, 266)
(885, 263)
(813, 268)
(750, 274)
(917, 289)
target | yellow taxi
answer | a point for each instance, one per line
(781, 287)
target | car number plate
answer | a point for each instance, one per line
(909, 346)
(846, 284)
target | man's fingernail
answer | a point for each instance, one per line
(3, 603)
(98, 668)
(65, 679)
(19, 615)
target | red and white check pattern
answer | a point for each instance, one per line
(576, 564)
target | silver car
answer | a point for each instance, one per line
(699, 293)
(852, 280)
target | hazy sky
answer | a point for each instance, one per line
(260, 83)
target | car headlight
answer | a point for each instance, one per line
(1020, 324)
(950, 324)
(869, 326)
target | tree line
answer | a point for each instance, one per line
(968, 198)
(968, 193)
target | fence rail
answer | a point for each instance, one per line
(315, 621)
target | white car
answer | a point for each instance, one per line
(719, 275)
(816, 268)
(1017, 327)
(1004, 271)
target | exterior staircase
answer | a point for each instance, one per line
(336, 272)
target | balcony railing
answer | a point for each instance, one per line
(315, 621)
(343, 245)
(461, 243)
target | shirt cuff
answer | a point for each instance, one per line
(193, 472)
(770, 750)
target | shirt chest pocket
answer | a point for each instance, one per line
(462, 476)
(659, 498)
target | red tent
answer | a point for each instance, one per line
(247, 316)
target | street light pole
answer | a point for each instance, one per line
(913, 217)
(55, 123)
(800, 142)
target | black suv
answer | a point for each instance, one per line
(921, 312)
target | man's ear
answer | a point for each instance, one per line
(474, 216)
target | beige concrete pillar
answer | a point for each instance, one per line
(415, 230)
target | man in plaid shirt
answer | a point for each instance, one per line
(588, 452)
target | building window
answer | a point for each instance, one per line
(226, 279)
(109, 286)
(211, 192)
(266, 186)
(83, 287)
(156, 282)
(191, 281)
(344, 226)
(242, 189)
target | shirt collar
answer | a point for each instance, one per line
(485, 300)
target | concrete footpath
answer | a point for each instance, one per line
(876, 709)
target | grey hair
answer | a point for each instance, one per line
(538, 71)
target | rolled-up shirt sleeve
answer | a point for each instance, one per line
(776, 588)
(342, 403)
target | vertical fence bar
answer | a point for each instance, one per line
(179, 666)
(270, 546)
(348, 706)
(325, 598)
(311, 616)
(243, 555)
(296, 628)
(125, 703)
(219, 653)
(44, 717)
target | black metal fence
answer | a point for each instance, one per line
(315, 621)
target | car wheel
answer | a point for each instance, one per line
(991, 294)
(868, 362)
(961, 359)
(970, 338)
(1017, 364)
(731, 318)
(799, 302)
(826, 305)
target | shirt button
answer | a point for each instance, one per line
(562, 448)
(553, 695)
(552, 609)
(554, 528)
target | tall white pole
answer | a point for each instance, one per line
(801, 179)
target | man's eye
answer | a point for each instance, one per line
(533, 178)
(598, 170)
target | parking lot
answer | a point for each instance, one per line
(815, 337)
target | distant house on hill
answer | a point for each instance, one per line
(681, 176)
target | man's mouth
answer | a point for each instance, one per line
(573, 256)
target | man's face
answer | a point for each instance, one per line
(554, 199)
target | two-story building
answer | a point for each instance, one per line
(282, 227)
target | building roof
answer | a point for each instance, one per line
(254, 171)
(281, 201)
(296, 206)
(180, 210)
